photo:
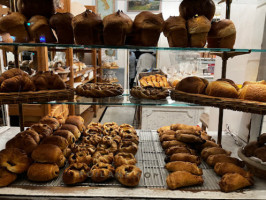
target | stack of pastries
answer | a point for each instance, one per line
(251, 90)
(156, 80)
(16, 80)
(185, 146)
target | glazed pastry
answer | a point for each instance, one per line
(128, 175)
(52, 122)
(48, 153)
(193, 85)
(169, 144)
(42, 129)
(76, 173)
(108, 146)
(93, 140)
(213, 159)
(124, 159)
(80, 157)
(213, 151)
(77, 121)
(6, 177)
(179, 149)
(225, 168)
(67, 135)
(176, 127)
(93, 130)
(128, 147)
(185, 157)
(59, 141)
(42, 172)
(83, 147)
(102, 156)
(184, 166)
(180, 179)
(234, 181)
(131, 138)
(101, 172)
(14, 160)
(72, 128)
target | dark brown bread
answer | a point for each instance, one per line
(18, 84)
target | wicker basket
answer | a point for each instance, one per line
(255, 168)
(39, 96)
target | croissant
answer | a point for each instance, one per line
(213, 151)
(183, 166)
(182, 179)
(18, 84)
(185, 157)
(213, 159)
(234, 181)
(225, 168)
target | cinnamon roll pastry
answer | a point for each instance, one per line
(92, 139)
(124, 131)
(117, 139)
(112, 131)
(95, 124)
(128, 175)
(110, 146)
(128, 147)
(101, 172)
(124, 159)
(80, 157)
(102, 156)
(76, 173)
(130, 138)
(125, 126)
(83, 147)
(93, 130)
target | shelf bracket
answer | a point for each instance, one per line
(21, 117)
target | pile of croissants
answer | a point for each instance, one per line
(185, 146)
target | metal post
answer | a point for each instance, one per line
(21, 120)
(228, 8)
(16, 57)
(224, 65)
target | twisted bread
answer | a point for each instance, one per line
(101, 172)
(149, 93)
(83, 147)
(92, 139)
(99, 90)
(124, 159)
(102, 156)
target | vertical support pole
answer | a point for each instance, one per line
(94, 64)
(16, 56)
(228, 8)
(21, 120)
(42, 58)
(69, 62)
(100, 64)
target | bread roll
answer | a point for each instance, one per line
(18, 84)
(67, 135)
(50, 121)
(250, 148)
(77, 121)
(62, 24)
(88, 28)
(6, 177)
(30, 8)
(253, 92)
(48, 153)
(116, 27)
(175, 30)
(14, 24)
(198, 28)
(191, 8)
(147, 29)
(59, 141)
(73, 129)
(261, 153)
(192, 84)
(40, 30)
(222, 34)
(43, 130)
(221, 89)
(43, 172)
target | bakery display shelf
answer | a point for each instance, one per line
(115, 67)
(220, 102)
(152, 185)
(39, 96)
(80, 73)
(87, 47)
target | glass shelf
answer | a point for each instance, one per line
(127, 47)
(123, 100)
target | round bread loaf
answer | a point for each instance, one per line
(59, 141)
(42, 172)
(222, 89)
(88, 28)
(175, 30)
(77, 121)
(67, 135)
(42, 129)
(222, 34)
(50, 121)
(62, 24)
(14, 24)
(72, 128)
(192, 84)
(191, 8)
(116, 27)
(30, 8)
(253, 92)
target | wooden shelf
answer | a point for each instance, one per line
(79, 73)
(115, 67)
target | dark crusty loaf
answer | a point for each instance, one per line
(14, 24)
(175, 30)
(18, 84)
(62, 24)
(192, 84)
(88, 28)
(116, 28)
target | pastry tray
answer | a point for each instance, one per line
(39, 96)
(152, 185)
(220, 102)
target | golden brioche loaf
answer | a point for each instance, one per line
(192, 84)
(198, 28)
(222, 34)
(191, 8)
(14, 24)
(116, 27)
(175, 30)
(40, 30)
(62, 24)
(147, 29)
(222, 89)
(88, 28)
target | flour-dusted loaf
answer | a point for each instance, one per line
(175, 30)
(253, 92)
(88, 28)
(222, 34)
(116, 28)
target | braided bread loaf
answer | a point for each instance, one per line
(99, 90)
(149, 93)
